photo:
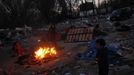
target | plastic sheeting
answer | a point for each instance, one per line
(90, 53)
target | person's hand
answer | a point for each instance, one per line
(94, 62)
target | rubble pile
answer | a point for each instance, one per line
(79, 68)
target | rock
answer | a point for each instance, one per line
(67, 73)
(1, 72)
(82, 74)
(123, 70)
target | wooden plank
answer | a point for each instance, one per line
(79, 34)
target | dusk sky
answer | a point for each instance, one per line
(96, 1)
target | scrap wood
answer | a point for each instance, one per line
(126, 48)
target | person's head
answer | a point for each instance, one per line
(100, 43)
(97, 26)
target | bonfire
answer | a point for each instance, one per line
(44, 52)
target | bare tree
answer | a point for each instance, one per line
(64, 7)
(15, 11)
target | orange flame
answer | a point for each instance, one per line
(42, 53)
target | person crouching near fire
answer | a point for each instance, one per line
(102, 57)
(17, 48)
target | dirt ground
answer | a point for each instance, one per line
(65, 63)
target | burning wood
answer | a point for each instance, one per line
(44, 52)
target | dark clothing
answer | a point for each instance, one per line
(102, 58)
(96, 32)
(52, 34)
